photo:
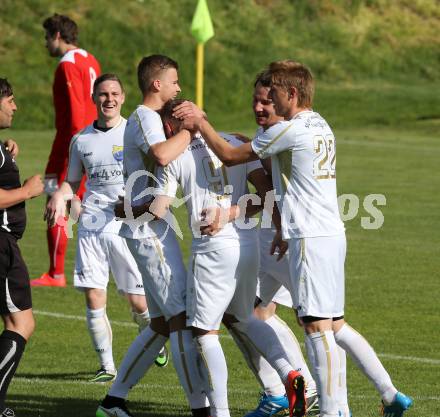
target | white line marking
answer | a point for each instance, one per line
(80, 318)
(429, 361)
(409, 358)
(169, 387)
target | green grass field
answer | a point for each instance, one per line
(377, 66)
(392, 292)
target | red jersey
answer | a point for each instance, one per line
(72, 98)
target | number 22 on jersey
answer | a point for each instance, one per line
(324, 163)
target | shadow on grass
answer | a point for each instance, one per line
(59, 375)
(42, 406)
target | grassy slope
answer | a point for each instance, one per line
(375, 60)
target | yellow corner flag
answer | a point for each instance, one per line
(201, 25)
(202, 30)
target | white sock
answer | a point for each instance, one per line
(214, 374)
(367, 361)
(141, 319)
(326, 371)
(139, 357)
(267, 342)
(342, 383)
(101, 334)
(310, 355)
(267, 377)
(290, 344)
(185, 357)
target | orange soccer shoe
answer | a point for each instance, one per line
(47, 281)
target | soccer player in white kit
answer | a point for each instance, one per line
(153, 244)
(273, 278)
(223, 266)
(304, 173)
(97, 151)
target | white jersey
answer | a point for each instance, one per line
(206, 182)
(99, 154)
(303, 152)
(266, 232)
(144, 128)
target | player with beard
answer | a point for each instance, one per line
(303, 152)
(15, 292)
(74, 109)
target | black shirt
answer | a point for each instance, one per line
(12, 219)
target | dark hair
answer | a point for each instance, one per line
(150, 67)
(5, 88)
(64, 25)
(263, 78)
(106, 77)
(166, 112)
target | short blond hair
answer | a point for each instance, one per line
(288, 74)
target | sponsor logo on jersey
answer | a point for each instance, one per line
(105, 175)
(88, 154)
(117, 152)
(197, 146)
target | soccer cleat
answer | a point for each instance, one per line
(113, 407)
(312, 403)
(396, 409)
(7, 412)
(270, 405)
(295, 391)
(47, 281)
(112, 412)
(104, 375)
(163, 358)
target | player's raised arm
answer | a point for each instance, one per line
(228, 154)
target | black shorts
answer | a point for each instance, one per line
(15, 289)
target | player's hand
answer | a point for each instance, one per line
(214, 219)
(12, 147)
(55, 208)
(34, 186)
(280, 244)
(192, 124)
(188, 109)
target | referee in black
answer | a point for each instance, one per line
(15, 293)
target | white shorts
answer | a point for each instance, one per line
(265, 286)
(317, 273)
(163, 274)
(221, 281)
(274, 283)
(96, 254)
